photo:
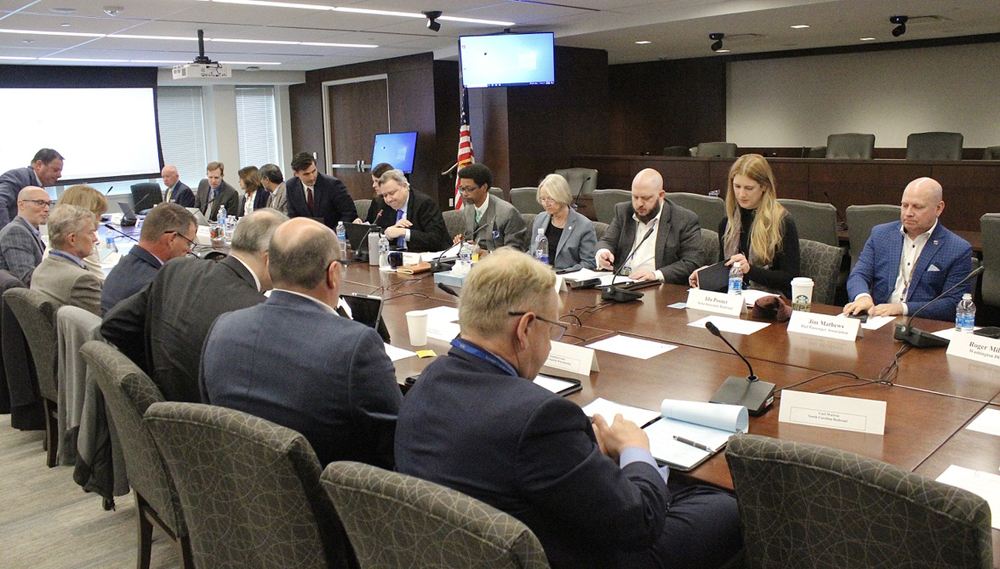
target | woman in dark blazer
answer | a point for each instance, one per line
(255, 196)
(572, 239)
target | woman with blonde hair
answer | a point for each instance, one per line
(94, 201)
(571, 236)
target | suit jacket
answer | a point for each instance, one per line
(260, 198)
(163, 326)
(132, 273)
(528, 452)
(945, 260)
(577, 244)
(335, 385)
(279, 199)
(64, 282)
(182, 195)
(428, 232)
(501, 225)
(20, 250)
(331, 200)
(11, 183)
(228, 196)
(678, 240)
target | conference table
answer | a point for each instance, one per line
(929, 400)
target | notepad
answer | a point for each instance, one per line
(706, 424)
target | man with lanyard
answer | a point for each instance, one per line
(62, 277)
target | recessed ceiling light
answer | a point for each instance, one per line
(28, 41)
(867, 39)
(722, 51)
(800, 26)
(643, 42)
(63, 25)
(63, 11)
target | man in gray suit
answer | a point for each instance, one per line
(46, 167)
(489, 222)
(653, 238)
(293, 360)
(62, 277)
(214, 192)
(274, 183)
(21, 245)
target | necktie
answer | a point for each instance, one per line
(309, 199)
(479, 216)
(401, 240)
(170, 190)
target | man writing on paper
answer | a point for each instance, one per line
(489, 222)
(907, 263)
(670, 254)
(593, 495)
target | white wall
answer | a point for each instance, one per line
(799, 101)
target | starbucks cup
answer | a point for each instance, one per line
(802, 293)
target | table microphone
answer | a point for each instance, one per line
(449, 289)
(576, 200)
(757, 396)
(362, 253)
(120, 232)
(131, 221)
(919, 338)
(615, 294)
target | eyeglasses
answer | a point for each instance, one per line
(41, 203)
(556, 329)
(467, 189)
(546, 200)
(191, 244)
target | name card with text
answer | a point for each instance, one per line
(718, 302)
(832, 412)
(567, 360)
(973, 347)
(824, 326)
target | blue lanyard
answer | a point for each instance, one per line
(489, 357)
(68, 257)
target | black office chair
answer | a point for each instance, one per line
(851, 146)
(934, 146)
(145, 196)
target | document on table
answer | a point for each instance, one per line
(987, 422)
(395, 354)
(583, 275)
(608, 410)
(873, 322)
(752, 295)
(733, 325)
(441, 323)
(949, 333)
(983, 484)
(449, 254)
(632, 347)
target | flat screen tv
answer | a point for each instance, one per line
(506, 60)
(396, 148)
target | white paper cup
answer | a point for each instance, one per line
(416, 323)
(802, 293)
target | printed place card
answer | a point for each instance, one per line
(823, 325)
(718, 302)
(567, 360)
(978, 348)
(832, 412)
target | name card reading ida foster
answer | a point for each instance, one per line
(978, 348)
(824, 326)
(717, 302)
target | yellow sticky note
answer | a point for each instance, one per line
(426, 354)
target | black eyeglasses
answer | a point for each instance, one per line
(41, 203)
(191, 244)
(556, 329)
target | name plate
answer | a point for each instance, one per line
(832, 412)
(977, 348)
(718, 302)
(567, 360)
(824, 326)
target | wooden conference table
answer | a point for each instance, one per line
(929, 401)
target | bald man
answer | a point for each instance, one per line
(907, 263)
(673, 249)
(21, 245)
(177, 191)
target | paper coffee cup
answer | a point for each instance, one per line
(802, 293)
(416, 323)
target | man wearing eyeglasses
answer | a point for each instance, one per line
(167, 233)
(294, 361)
(45, 169)
(21, 245)
(410, 219)
(489, 222)
(62, 277)
(593, 494)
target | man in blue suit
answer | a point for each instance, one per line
(46, 168)
(906, 264)
(294, 361)
(177, 191)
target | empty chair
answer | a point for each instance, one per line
(497, 193)
(128, 392)
(716, 150)
(861, 219)
(709, 246)
(991, 153)
(934, 146)
(362, 206)
(145, 195)
(805, 505)
(605, 201)
(525, 200)
(399, 521)
(453, 221)
(676, 151)
(529, 219)
(582, 181)
(711, 210)
(18, 381)
(852, 145)
(821, 263)
(816, 152)
(249, 489)
(990, 226)
(815, 221)
(600, 228)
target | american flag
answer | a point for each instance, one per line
(465, 153)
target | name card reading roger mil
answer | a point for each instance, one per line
(718, 302)
(824, 326)
(978, 348)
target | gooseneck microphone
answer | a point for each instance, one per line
(576, 200)
(362, 253)
(130, 221)
(448, 289)
(757, 396)
(119, 232)
(615, 294)
(841, 222)
(919, 338)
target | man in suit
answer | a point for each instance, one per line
(313, 194)
(177, 191)
(163, 326)
(669, 254)
(906, 264)
(274, 183)
(335, 384)
(593, 495)
(410, 220)
(168, 232)
(214, 192)
(21, 245)
(489, 222)
(46, 168)
(62, 277)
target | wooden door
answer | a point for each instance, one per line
(358, 111)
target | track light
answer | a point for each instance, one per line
(900, 28)
(432, 23)
(717, 37)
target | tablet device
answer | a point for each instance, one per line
(714, 277)
(368, 311)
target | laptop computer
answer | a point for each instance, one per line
(357, 235)
(128, 216)
(198, 216)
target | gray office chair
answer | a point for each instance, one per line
(821, 263)
(805, 505)
(991, 153)
(605, 202)
(990, 227)
(676, 151)
(362, 206)
(861, 219)
(934, 146)
(815, 221)
(600, 228)
(497, 193)
(582, 181)
(709, 247)
(454, 221)
(716, 150)
(710, 210)
(852, 146)
(525, 200)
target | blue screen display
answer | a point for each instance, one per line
(507, 59)
(397, 148)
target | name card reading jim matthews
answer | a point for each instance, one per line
(832, 412)
(978, 348)
(718, 302)
(824, 326)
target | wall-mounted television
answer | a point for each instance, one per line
(505, 60)
(396, 148)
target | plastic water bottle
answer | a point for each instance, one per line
(464, 264)
(736, 280)
(965, 314)
(220, 216)
(383, 253)
(342, 239)
(542, 247)
(110, 245)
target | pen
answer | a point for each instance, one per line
(694, 444)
